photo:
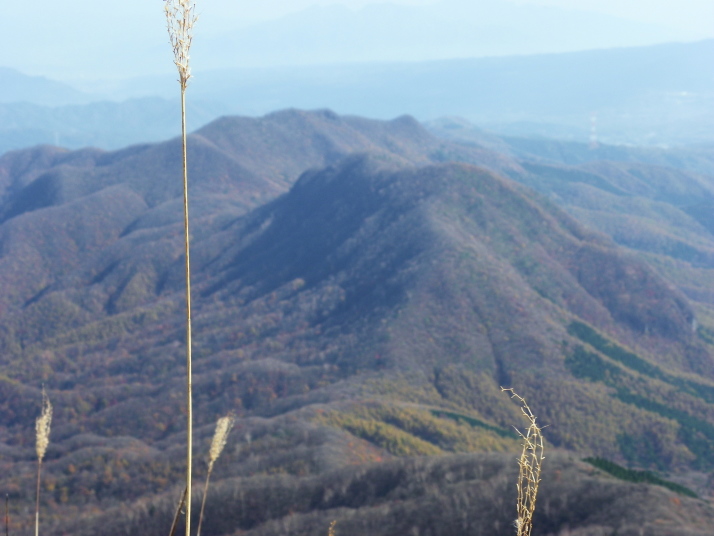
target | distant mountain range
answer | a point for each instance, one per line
(362, 289)
(660, 95)
(105, 124)
(18, 87)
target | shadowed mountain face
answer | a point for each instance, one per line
(359, 297)
(236, 165)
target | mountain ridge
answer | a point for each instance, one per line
(363, 302)
(653, 96)
(16, 87)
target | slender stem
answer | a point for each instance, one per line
(7, 515)
(203, 502)
(37, 503)
(178, 512)
(189, 393)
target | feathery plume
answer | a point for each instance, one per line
(180, 18)
(42, 427)
(42, 430)
(530, 463)
(220, 436)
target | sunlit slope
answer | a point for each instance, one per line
(369, 312)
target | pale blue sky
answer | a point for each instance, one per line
(88, 38)
(693, 16)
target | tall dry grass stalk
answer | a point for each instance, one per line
(42, 440)
(331, 530)
(180, 19)
(220, 436)
(530, 463)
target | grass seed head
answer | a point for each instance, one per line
(42, 426)
(530, 463)
(180, 18)
(220, 436)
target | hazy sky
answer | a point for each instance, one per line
(82, 38)
(695, 16)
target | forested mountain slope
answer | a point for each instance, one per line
(361, 291)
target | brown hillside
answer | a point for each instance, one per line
(370, 313)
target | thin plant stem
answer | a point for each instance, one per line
(37, 499)
(42, 440)
(203, 502)
(178, 512)
(180, 18)
(7, 515)
(218, 443)
(189, 386)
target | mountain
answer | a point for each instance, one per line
(16, 87)
(361, 290)
(239, 163)
(653, 201)
(649, 96)
(109, 125)
(693, 158)
(641, 96)
(448, 495)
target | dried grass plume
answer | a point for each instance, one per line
(180, 18)
(530, 463)
(220, 436)
(42, 427)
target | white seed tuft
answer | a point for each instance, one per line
(42, 426)
(220, 436)
(180, 18)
